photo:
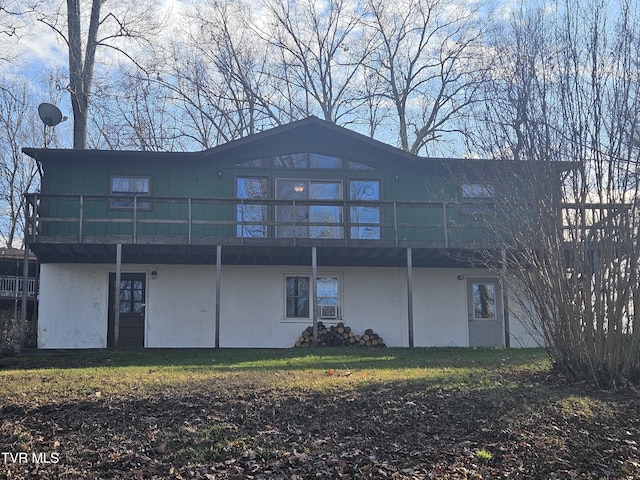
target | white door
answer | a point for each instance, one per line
(485, 312)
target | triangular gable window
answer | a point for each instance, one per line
(305, 160)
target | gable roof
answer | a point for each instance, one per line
(311, 130)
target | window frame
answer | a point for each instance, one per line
(308, 207)
(240, 227)
(353, 209)
(481, 203)
(309, 160)
(339, 295)
(139, 205)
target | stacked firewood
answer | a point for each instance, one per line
(339, 335)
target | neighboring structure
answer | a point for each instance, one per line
(12, 296)
(235, 246)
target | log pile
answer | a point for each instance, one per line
(339, 335)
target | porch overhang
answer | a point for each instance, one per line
(329, 253)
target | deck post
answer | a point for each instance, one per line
(218, 279)
(505, 299)
(116, 320)
(25, 285)
(313, 293)
(410, 294)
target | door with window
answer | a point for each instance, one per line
(132, 310)
(485, 312)
(323, 220)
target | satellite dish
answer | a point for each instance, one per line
(49, 114)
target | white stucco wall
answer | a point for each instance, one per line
(181, 305)
(72, 311)
(440, 307)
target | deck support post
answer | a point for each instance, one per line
(410, 294)
(116, 321)
(25, 286)
(218, 279)
(313, 293)
(505, 299)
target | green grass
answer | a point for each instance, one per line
(69, 374)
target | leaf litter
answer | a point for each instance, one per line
(397, 430)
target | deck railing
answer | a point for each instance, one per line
(184, 220)
(11, 286)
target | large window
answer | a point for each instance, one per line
(364, 218)
(308, 208)
(309, 221)
(251, 215)
(297, 293)
(130, 187)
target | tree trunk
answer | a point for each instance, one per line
(81, 71)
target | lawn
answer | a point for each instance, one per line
(309, 413)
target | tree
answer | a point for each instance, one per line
(429, 57)
(566, 89)
(106, 29)
(18, 173)
(321, 49)
(218, 71)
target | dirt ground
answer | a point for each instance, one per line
(401, 431)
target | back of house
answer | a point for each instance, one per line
(251, 242)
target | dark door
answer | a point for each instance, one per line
(132, 310)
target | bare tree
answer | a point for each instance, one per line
(567, 90)
(18, 173)
(108, 25)
(214, 75)
(320, 49)
(14, 16)
(429, 56)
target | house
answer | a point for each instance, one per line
(248, 243)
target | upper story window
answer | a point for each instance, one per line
(478, 191)
(478, 198)
(305, 160)
(364, 217)
(251, 215)
(129, 186)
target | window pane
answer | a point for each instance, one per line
(256, 162)
(297, 297)
(328, 215)
(294, 160)
(477, 191)
(364, 218)
(327, 291)
(318, 160)
(130, 186)
(359, 166)
(252, 218)
(292, 190)
(302, 308)
(484, 300)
